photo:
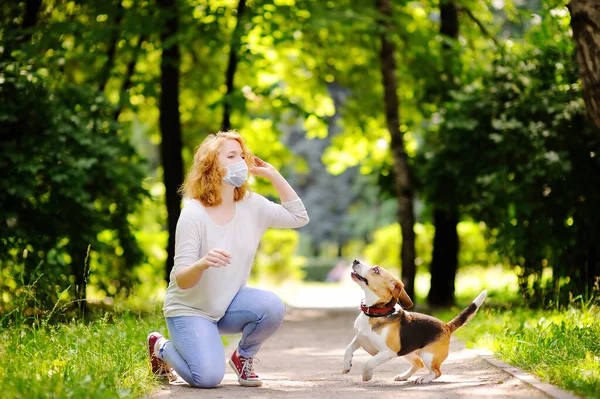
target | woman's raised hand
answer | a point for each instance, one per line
(262, 168)
(216, 258)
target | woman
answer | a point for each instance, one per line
(217, 236)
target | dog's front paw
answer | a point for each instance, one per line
(347, 366)
(367, 375)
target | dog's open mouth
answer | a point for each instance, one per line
(357, 277)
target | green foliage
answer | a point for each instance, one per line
(524, 160)
(384, 250)
(317, 269)
(103, 359)
(147, 224)
(475, 248)
(291, 54)
(560, 347)
(276, 259)
(71, 180)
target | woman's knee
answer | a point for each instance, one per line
(275, 311)
(207, 379)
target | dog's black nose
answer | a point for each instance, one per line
(356, 262)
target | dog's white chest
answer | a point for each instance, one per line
(365, 342)
(370, 341)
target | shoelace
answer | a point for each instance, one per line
(248, 365)
(164, 369)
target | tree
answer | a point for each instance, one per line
(521, 171)
(69, 175)
(402, 171)
(585, 21)
(234, 49)
(74, 178)
(444, 261)
(170, 121)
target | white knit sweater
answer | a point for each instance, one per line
(197, 234)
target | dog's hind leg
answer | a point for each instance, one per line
(415, 365)
(433, 357)
(433, 374)
(350, 349)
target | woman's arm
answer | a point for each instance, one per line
(283, 188)
(188, 277)
(188, 268)
(268, 171)
(291, 213)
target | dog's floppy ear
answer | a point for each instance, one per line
(400, 294)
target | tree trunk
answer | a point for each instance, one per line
(587, 273)
(129, 76)
(14, 34)
(444, 261)
(402, 172)
(585, 21)
(112, 48)
(234, 48)
(170, 122)
(32, 8)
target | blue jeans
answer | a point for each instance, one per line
(195, 350)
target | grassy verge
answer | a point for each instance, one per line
(560, 347)
(105, 358)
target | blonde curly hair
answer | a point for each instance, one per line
(205, 177)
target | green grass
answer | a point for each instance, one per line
(559, 347)
(105, 358)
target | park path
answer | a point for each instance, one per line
(304, 360)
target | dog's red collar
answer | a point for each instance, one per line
(378, 311)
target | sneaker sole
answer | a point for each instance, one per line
(243, 382)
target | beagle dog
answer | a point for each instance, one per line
(386, 332)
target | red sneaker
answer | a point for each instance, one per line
(159, 367)
(244, 368)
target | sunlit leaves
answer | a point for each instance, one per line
(509, 143)
(356, 146)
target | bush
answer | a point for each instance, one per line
(73, 180)
(317, 269)
(275, 259)
(384, 250)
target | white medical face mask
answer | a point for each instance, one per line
(237, 173)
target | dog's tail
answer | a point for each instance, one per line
(467, 314)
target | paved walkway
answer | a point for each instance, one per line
(304, 360)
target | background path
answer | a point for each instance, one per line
(304, 360)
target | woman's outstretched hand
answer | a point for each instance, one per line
(188, 277)
(216, 258)
(263, 169)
